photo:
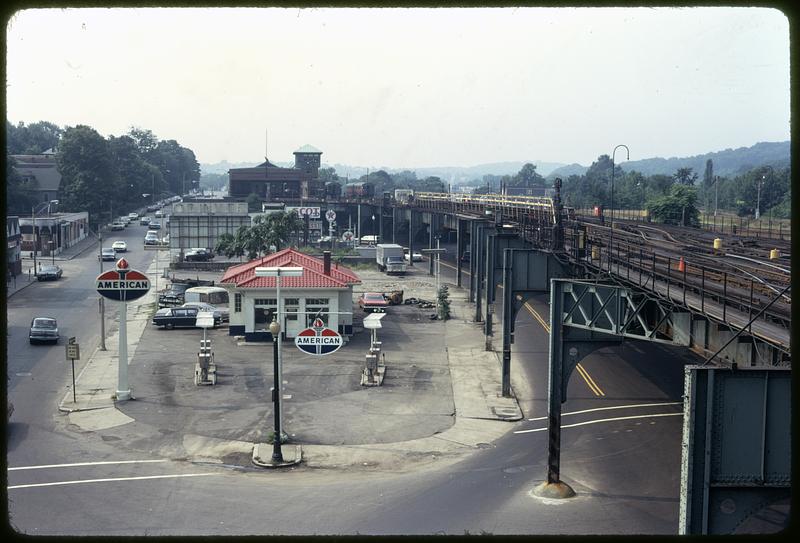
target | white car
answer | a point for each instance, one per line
(133, 216)
(119, 246)
(417, 257)
(151, 238)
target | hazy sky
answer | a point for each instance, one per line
(409, 87)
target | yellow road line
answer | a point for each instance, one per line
(593, 386)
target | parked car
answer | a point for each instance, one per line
(151, 238)
(170, 317)
(124, 220)
(220, 314)
(144, 221)
(43, 329)
(198, 255)
(118, 226)
(154, 225)
(372, 302)
(49, 272)
(173, 295)
(417, 256)
(119, 246)
(107, 253)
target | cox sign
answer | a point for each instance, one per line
(318, 340)
(310, 212)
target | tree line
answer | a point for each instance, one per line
(665, 196)
(104, 176)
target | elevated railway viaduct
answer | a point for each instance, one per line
(734, 290)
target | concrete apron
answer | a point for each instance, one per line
(481, 412)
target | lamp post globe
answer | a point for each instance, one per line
(274, 328)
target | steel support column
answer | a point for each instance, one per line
(431, 244)
(459, 250)
(490, 286)
(411, 237)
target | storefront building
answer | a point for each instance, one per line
(324, 289)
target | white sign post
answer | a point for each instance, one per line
(123, 284)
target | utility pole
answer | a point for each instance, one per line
(33, 215)
(102, 302)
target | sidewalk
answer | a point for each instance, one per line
(481, 413)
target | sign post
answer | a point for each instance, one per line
(73, 352)
(123, 285)
(330, 216)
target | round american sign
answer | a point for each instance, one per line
(122, 284)
(318, 340)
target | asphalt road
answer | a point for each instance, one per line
(625, 470)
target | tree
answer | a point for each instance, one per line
(89, 177)
(33, 139)
(137, 176)
(685, 176)
(527, 177)
(677, 207)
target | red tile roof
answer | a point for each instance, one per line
(244, 275)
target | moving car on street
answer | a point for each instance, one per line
(170, 317)
(43, 329)
(49, 273)
(119, 246)
(417, 256)
(118, 226)
(154, 225)
(133, 216)
(144, 221)
(372, 302)
(151, 238)
(107, 253)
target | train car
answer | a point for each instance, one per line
(403, 195)
(359, 190)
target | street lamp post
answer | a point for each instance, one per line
(277, 272)
(374, 233)
(613, 167)
(758, 198)
(275, 330)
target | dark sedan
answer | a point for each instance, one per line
(49, 273)
(43, 329)
(171, 317)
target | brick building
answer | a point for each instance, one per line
(275, 184)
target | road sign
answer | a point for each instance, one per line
(318, 340)
(347, 236)
(73, 350)
(122, 284)
(330, 215)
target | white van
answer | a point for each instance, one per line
(216, 296)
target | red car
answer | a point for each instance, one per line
(372, 302)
